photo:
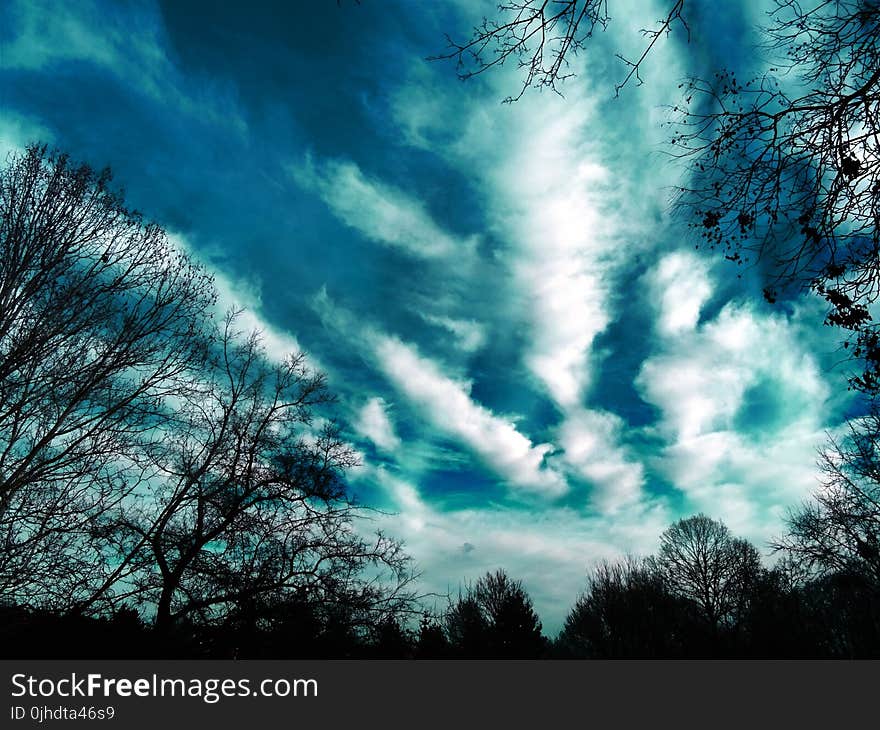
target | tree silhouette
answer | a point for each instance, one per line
(247, 502)
(99, 324)
(844, 613)
(837, 531)
(704, 564)
(773, 621)
(541, 37)
(391, 640)
(467, 627)
(832, 544)
(151, 459)
(495, 618)
(431, 642)
(626, 611)
(784, 165)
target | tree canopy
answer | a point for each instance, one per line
(152, 459)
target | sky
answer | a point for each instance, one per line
(537, 368)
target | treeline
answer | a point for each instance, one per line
(168, 489)
(704, 594)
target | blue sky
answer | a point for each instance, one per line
(537, 368)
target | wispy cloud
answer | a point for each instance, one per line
(680, 283)
(373, 421)
(381, 212)
(551, 202)
(589, 439)
(742, 402)
(48, 35)
(446, 403)
(469, 335)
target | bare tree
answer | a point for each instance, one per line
(838, 531)
(702, 562)
(627, 610)
(785, 164)
(541, 37)
(99, 323)
(248, 503)
(495, 617)
(466, 626)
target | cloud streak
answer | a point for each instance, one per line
(373, 422)
(382, 213)
(551, 201)
(446, 403)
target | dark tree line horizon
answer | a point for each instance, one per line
(704, 594)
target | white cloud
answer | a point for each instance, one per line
(373, 422)
(554, 201)
(383, 213)
(447, 404)
(742, 403)
(588, 438)
(681, 284)
(561, 215)
(545, 202)
(469, 334)
(700, 381)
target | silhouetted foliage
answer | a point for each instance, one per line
(626, 612)
(701, 562)
(542, 37)
(36, 634)
(844, 611)
(775, 620)
(247, 500)
(494, 618)
(837, 532)
(431, 642)
(467, 628)
(99, 324)
(391, 640)
(785, 164)
(152, 460)
(689, 601)
(832, 540)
